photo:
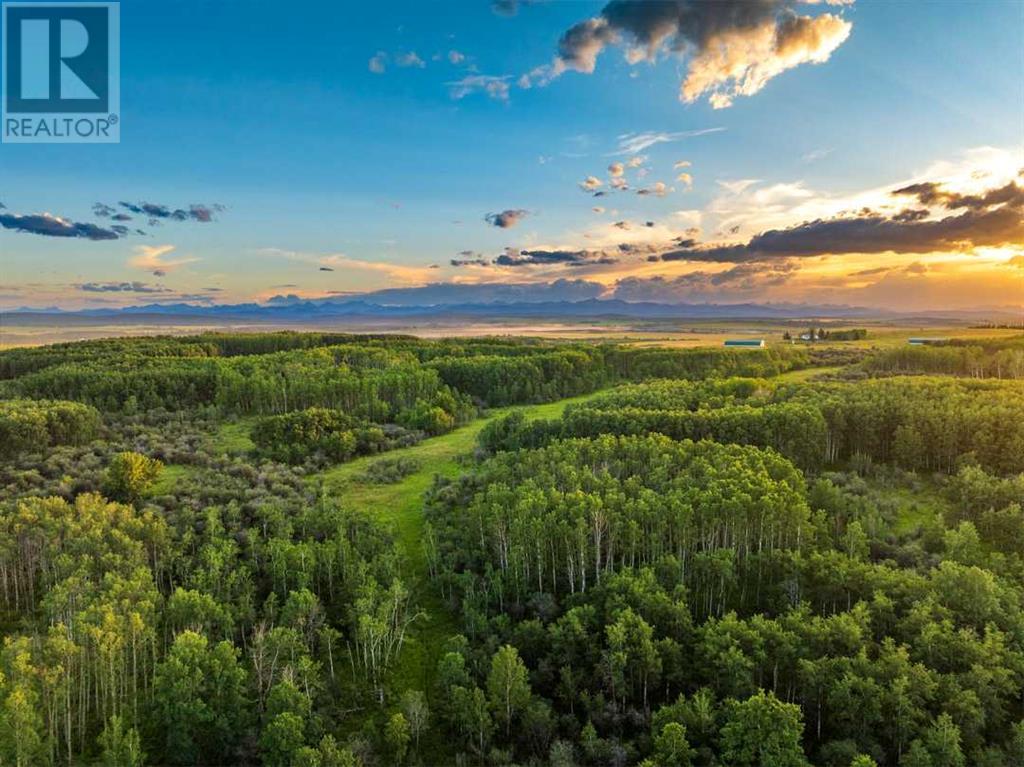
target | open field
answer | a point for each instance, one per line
(674, 333)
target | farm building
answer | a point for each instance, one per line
(750, 343)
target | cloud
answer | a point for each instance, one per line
(590, 184)
(378, 63)
(681, 164)
(102, 210)
(598, 209)
(992, 218)
(506, 219)
(633, 143)
(616, 169)
(122, 287)
(685, 178)
(456, 57)
(552, 257)
(48, 225)
(735, 283)
(355, 268)
(739, 186)
(658, 189)
(151, 258)
(816, 154)
(934, 193)
(196, 211)
(495, 86)
(733, 47)
(740, 62)
(410, 59)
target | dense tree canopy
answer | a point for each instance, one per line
(701, 561)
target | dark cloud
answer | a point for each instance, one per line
(911, 214)
(102, 210)
(326, 269)
(931, 193)
(469, 258)
(121, 287)
(47, 225)
(871, 272)
(991, 219)
(120, 217)
(553, 258)
(507, 218)
(541, 257)
(156, 212)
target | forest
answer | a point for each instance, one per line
(340, 550)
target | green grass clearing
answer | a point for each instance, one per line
(169, 477)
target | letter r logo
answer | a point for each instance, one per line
(57, 57)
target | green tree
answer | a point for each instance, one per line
(396, 737)
(282, 738)
(121, 746)
(470, 713)
(417, 713)
(198, 700)
(508, 688)
(671, 748)
(762, 730)
(130, 475)
(21, 728)
(941, 741)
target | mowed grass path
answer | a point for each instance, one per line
(401, 505)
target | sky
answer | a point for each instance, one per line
(858, 153)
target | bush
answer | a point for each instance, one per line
(388, 471)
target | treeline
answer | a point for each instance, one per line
(505, 380)
(984, 358)
(374, 378)
(18, 362)
(32, 426)
(918, 423)
(926, 424)
(256, 385)
(641, 363)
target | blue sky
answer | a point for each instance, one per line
(272, 110)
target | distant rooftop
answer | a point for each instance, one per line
(752, 342)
